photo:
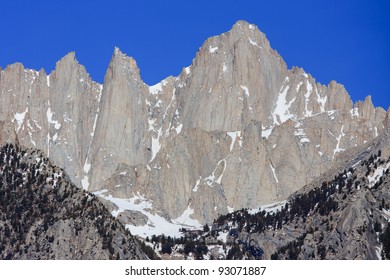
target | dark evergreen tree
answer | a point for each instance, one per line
(166, 248)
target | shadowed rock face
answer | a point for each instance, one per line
(44, 216)
(235, 129)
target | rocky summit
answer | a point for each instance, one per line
(236, 129)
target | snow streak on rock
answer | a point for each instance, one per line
(281, 112)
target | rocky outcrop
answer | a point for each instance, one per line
(54, 113)
(235, 129)
(44, 216)
(7, 133)
(343, 215)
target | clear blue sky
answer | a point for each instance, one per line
(347, 41)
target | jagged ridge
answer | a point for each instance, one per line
(233, 130)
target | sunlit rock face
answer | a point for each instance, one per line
(236, 129)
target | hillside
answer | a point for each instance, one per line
(44, 216)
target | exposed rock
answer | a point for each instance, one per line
(235, 129)
(7, 133)
(44, 216)
(343, 215)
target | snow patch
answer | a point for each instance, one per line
(196, 187)
(378, 173)
(305, 140)
(19, 118)
(265, 133)
(354, 112)
(299, 86)
(253, 43)
(156, 224)
(246, 91)
(233, 135)
(185, 219)
(219, 180)
(212, 49)
(300, 133)
(30, 133)
(212, 177)
(321, 100)
(224, 69)
(179, 128)
(331, 114)
(87, 166)
(356, 164)
(386, 214)
(49, 115)
(96, 117)
(378, 251)
(156, 145)
(36, 124)
(85, 182)
(338, 149)
(223, 236)
(151, 124)
(155, 89)
(281, 112)
(274, 172)
(309, 88)
(269, 208)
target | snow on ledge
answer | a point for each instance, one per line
(85, 182)
(155, 89)
(378, 173)
(246, 91)
(186, 220)
(156, 224)
(19, 117)
(273, 207)
(265, 133)
(212, 49)
(233, 135)
(281, 112)
(49, 115)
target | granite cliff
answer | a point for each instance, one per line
(236, 129)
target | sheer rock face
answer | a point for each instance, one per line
(7, 133)
(235, 129)
(231, 79)
(53, 113)
(122, 123)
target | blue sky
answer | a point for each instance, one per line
(347, 41)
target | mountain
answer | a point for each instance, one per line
(44, 216)
(236, 129)
(344, 214)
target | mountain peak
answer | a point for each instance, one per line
(67, 61)
(123, 63)
(71, 56)
(242, 24)
(236, 121)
